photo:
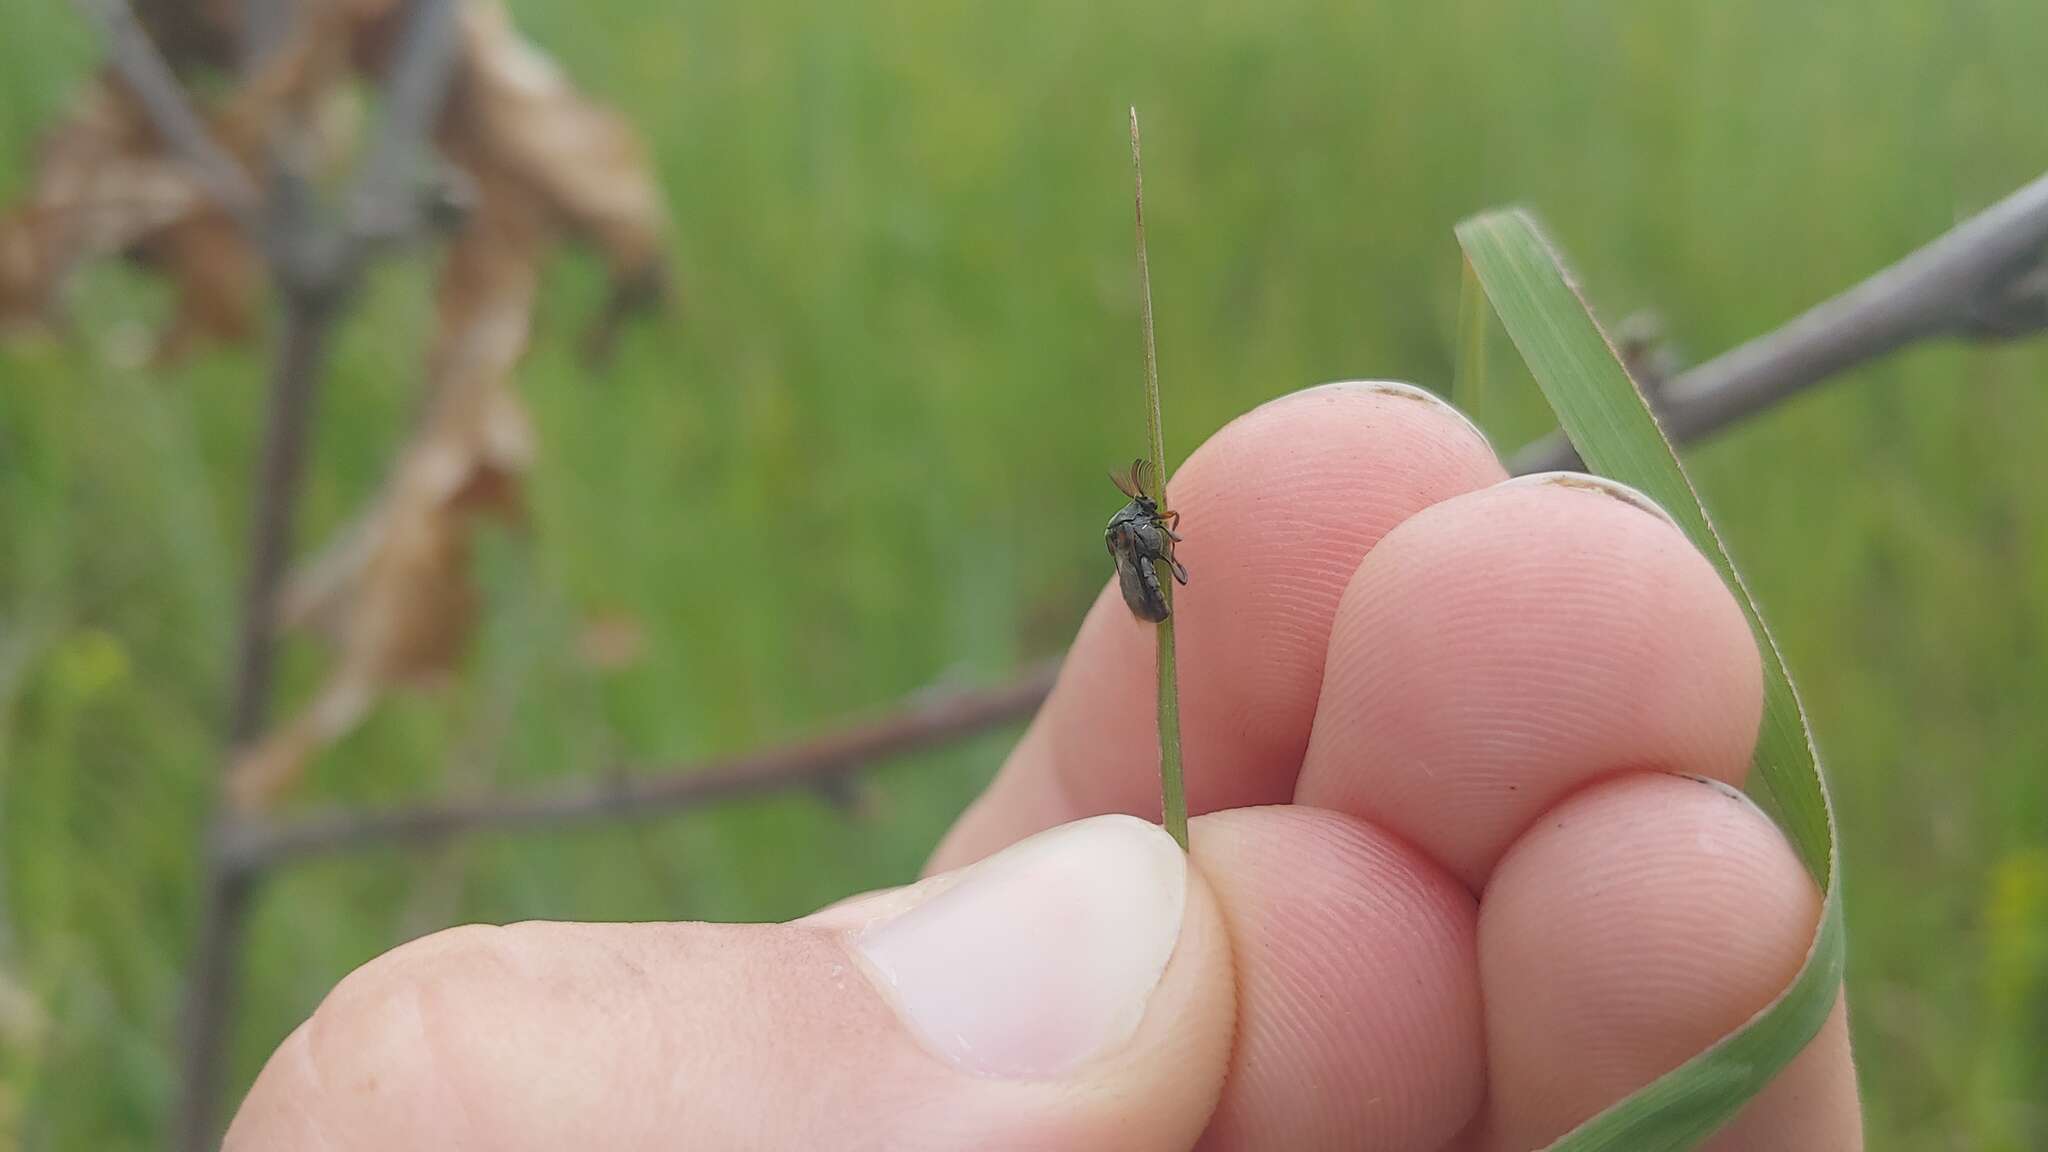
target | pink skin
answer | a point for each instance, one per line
(1448, 892)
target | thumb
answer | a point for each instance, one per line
(1073, 991)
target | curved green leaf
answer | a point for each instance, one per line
(1615, 433)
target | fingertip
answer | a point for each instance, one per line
(1359, 1022)
(1083, 981)
(1504, 647)
(1631, 927)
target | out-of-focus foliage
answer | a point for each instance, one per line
(536, 162)
(870, 456)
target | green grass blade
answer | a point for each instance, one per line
(1468, 375)
(1173, 793)
(1614, 431)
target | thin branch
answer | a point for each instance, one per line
(302, 350)
(1980, 280)
(213, 975)
(315, 269)
(162, 98)
(211, 978)
(387, 202)
(929, 720)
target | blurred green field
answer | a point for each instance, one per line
(870, 457)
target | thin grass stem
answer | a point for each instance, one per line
(1172, 789)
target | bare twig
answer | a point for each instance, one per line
(927, 720)
(300, 355)
(388, 202)
(315, 270)
(1981, 279)
(163, 100)
(210, 981)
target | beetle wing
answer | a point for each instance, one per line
(1117, 537)
(1139, 583)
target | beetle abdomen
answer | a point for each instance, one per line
(1138, 579)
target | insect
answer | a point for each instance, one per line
(1141, 539)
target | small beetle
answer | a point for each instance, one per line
(1141, 539)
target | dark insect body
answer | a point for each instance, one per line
(1141, 540)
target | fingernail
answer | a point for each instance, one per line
(1589, 483)
(1404, 391)
(1040, 957)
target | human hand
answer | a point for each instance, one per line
(1451, 889)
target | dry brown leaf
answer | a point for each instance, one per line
(518, 116)
(105, 184)
(102, 185)
(396, 594)
(513, 114)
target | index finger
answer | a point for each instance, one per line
(1278, 508)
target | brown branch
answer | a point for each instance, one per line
(301, 354)
(211, 977)
(1979, 280)
(927, 720)
(316, 270)
(388, 203)
(156, 89)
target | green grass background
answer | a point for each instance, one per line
(870, 457)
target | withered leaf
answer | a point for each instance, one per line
(544, 163)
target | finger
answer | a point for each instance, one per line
(1633, 926)
(1278, 509)
(1358, 1017)
(1505, 647)
(1074, 992)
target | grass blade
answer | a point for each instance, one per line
(1173, 797)
(1608, 421)
(1468, 376)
